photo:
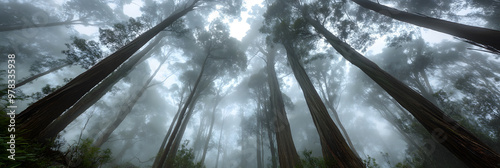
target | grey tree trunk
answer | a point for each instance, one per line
(160, 151)
(182, 115)
(33, 25)
(28, 80)
(210, 130)
(219, 146)
(169, 161)
(125, 110)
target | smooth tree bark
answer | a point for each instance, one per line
(170, 157)
(28, 80)
(97, 92)
(41, 113)
(210, 130)
(445, 130)
(33, 25)
(258, 140)
(125, 109)
(160, 151)
(487, 37)
(288, 156)
(172, 124)
(168, 148)
(219, 146)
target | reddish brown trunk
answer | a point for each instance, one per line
(479, 35)
(40, 114)
(463, 144)
(333, 144)
(96, 93)
(287, 153)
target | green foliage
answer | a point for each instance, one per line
(312, 162)
(45, 64)
(120, 34)
(371, 163)
(410, 163)
(178, 28)
(82, 52)
(185, 158)
(46, 90)
(27, 153)
(83, 154)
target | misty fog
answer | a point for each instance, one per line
(250, 84)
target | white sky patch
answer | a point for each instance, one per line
(377, 46)
(59, 2)
(239, 28)
(434, 37)
(133, 9)
(86, 30)
(112, 5)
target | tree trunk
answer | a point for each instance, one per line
(28, 80)
(487, 37)
(33, 25)
(329, 105)
(463, 144)
(40, 114)
(197, 143)
(258, 142)
(333, 144)
(97, 92)
(125, 110)
(287, 153)
(182, 115)
(205, 146)
(219, 146)
(123, 150)
(170, 157)
(162, 146)
(272, 148)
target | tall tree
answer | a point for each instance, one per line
(39, 115)
(97, 92)
(287, 153)
(328, 82)
(89, 13)
(445, 129)
(80, 52)
(182, 93)
(221, 56)
(217, 100)
(486, 38)
(219, 145)
(126, 109)
(336, 151)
